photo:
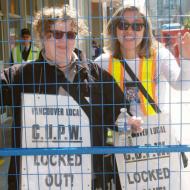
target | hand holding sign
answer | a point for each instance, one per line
(150, 171)
(135, 123)
(128, 125)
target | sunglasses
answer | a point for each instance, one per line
(57, 34)
(135, 26)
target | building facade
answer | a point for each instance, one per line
(16, 14)
(167, 11)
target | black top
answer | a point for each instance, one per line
(25, 53)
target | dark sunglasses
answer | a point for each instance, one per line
(122, 25)
(57, 34)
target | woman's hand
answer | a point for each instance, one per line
(135, 123)
(184, 45)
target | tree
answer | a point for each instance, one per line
(187, 22)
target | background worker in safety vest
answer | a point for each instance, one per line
(25, 51)
(130, 42)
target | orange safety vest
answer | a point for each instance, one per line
(146, 76)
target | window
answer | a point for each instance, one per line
(57, 2)
(15, 25)
(14, 6)
(31, 7)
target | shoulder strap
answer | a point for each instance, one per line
(140, 86)
(80, 76)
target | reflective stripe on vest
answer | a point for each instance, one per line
(117, 71)
(33, 54)
(146, 76)
(147, 73)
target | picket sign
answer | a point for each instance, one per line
(151, 171)
(54, 121)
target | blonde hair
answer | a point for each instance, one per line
(112, 44)
(48, 16)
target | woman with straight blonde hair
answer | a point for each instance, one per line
(144, 70)
(129, 39)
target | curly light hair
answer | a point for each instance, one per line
(50, 15)
(112, 44)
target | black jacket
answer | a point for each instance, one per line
(41, 77)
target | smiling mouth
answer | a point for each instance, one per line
(129, 38)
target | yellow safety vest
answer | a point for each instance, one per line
(17, 55)
(146, 76)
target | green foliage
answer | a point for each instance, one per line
(187, 22)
